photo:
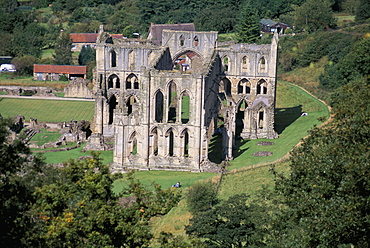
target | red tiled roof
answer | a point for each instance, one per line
(62, 69)
(89, 37)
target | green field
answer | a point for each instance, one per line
(47, 110)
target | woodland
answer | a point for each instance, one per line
(322, 201)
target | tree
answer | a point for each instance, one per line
(79, 209)
(314, 15)
(17, 165)
(63, 53)
(24, 64)
(228, 224)
(86, 55)
(363, 10)
(200, 196)
(327, 191)
(248, 30)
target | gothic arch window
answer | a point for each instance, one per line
(262, 64)
(244, 64)
(112, 106)
(170, 142)
(261, 87)
(185, 107)
(172, 102)
(240, 116)
(261, 119)
(185, 142)
(133, 143)
(182, 40)
(225, 63)
(159, 106)
(153, 141)
(244, 87)
(131, 60)
(196, 41)
(129, 104)
(132, 82)
(113, 82)
(227, 86)
(113, 58)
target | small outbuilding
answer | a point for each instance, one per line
(270, 26)
(53, 72)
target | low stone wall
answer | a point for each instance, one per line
(38, 90)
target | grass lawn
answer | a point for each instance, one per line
(47, 110)
(45, 137)
(59, 157)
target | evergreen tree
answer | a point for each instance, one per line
(63, 53)
(248, 30)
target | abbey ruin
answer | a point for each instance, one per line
(163, 98)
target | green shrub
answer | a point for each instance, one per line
(200, 196)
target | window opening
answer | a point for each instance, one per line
(113, 59)
(171, 143)
(159, 107)
(196, 41)
(260, 119)
(172, 102)
(112, 106)
(182, 40)
(129, 104)
(185, 108)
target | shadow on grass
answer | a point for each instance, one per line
(238, 144)
(215, 148)
(284, 117)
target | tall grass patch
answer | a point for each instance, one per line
(47, 110)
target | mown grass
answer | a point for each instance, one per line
(62, 156)
(164, 178)
(47, 110)
(44, 137)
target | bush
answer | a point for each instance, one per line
(200, 196)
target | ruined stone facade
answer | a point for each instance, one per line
(163, 103)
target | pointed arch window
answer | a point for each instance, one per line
(172, 102)
(182, 40)
(132, 82)
(113, 58)
(185, 108)
(196, 41)
(225, 63)
(261, 117)
(153, 139)
(170, 142)
(244, 64)
(244, 87)
(262, 87)
(159, 107)
(112, 106)
(129, 104)
(133, 143)
(262, 64)
(185, 143)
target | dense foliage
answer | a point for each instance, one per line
(72, 206)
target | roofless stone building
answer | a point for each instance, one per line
(162, 103)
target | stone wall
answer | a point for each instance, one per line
(78, 87)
